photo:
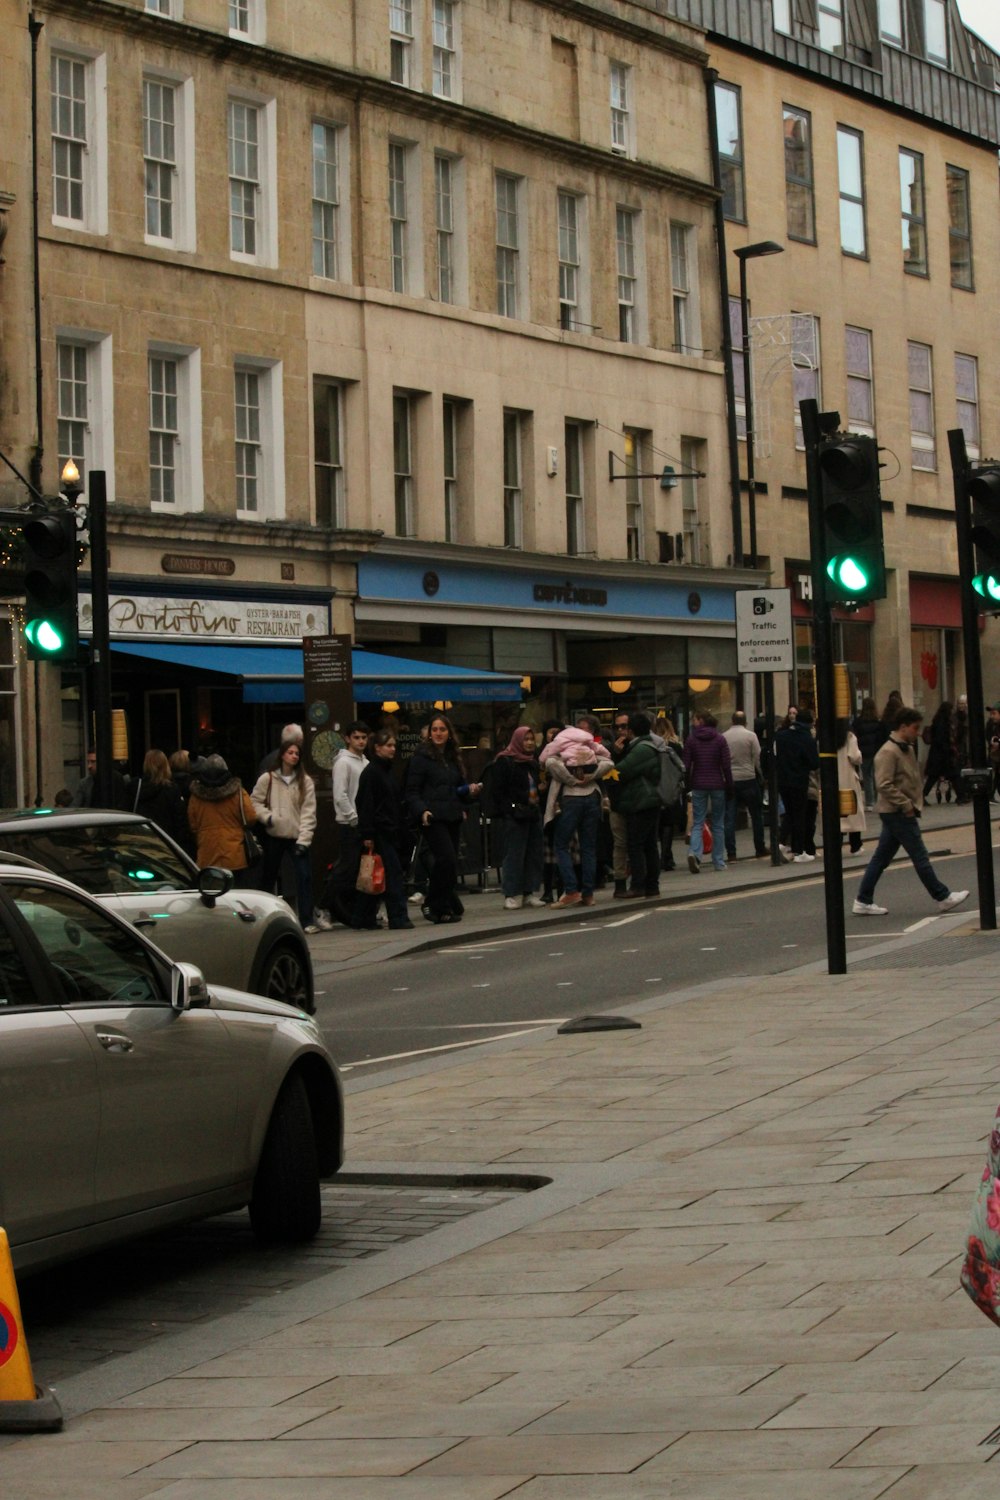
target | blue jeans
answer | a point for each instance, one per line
(521, 874)
(582, 816)
(900, 832)
(711, 805)
(744, 794)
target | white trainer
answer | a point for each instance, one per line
(951, 901)
(534, 901)
(417, 899)
(869, 909)
(803, 859)
(512, 903)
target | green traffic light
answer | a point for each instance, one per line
(848, 574)
(44, 636)
(987, 585)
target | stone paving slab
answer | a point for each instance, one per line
(736, 1300)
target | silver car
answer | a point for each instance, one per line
(246, 939)
(134, 1095)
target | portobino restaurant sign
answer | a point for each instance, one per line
(141, 617)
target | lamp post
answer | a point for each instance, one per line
(743, 254)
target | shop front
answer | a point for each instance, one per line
(936, 642)
(852, 644)
(581, 641)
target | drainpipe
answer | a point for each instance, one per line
(35, 462)
(711, 78)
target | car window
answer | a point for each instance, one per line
(98, 960)
(104, 859)
(16, 989)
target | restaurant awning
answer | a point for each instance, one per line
(273, 674)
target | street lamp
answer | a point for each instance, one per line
(743, 254)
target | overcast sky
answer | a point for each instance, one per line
(984, 17)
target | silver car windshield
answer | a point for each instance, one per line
(106, 859)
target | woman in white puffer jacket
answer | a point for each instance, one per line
(285, 799)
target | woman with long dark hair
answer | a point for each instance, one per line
(381, 811)
(515, 790)
(942, 756)
(285, 802)
(871, 734)
(437, 791)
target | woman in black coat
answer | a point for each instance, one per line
(942, 758)
(436, 794)
(871, 734)
(382, 823)
(155, 797)
(516, 777)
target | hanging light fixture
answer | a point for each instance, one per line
(619, 684)
(699, 684)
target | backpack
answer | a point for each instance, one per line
(671, 776)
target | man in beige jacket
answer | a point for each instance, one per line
(900, 800)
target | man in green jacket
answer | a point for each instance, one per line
(900, 801)
(639, 802)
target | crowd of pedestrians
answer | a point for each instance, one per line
(564, 811)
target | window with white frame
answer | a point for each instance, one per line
(569, 259)
(246, 20)
(805, 365)
(831, 24)
(781, 16)
(79, 141)
(626, 220)
(176, 480)
(259, 440)
(959, 227)
(325, 200)
(165, 8)
(508, 248)
(936, 31)
(739, 374)
(444, 225)
(923, 447)
(402, 462)
(328, 458)
(402, 66)
(252, 174)
(513, 479)
(399, 223)
(860, 380)
(729, 134)
(159, 147)
(692, 450)
(967, 401)
(635, 466)
(851, 176)
(890, 22)
(84, 401)
(575, 529)
(449, 415)
(445, 81)
(684, 282)
(622, 121)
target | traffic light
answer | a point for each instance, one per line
(984, 490)
(50, 612)
(852, 519)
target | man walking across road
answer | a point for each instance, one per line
(744, 753)
(709, 777)
(898, 785)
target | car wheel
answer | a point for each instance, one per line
(284, 976)
(285, 1203)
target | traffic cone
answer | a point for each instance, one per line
(24, 1406)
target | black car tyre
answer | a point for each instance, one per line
(284, 976)
(285, 1204)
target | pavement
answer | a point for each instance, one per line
(731, 1269)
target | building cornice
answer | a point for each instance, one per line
(206, 528)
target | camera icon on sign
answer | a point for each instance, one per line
(762, 606)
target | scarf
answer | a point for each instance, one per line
(515, 750)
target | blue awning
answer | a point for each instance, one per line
(273, 674)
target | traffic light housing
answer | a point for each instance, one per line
(50, 586)
(984, 491)
(853, 549)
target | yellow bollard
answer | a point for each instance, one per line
(24, 1407)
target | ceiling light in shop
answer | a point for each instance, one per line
(619, 684)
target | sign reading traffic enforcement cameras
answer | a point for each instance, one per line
(764, 640)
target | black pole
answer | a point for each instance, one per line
(973, 684)
(35, 465)
(777, 858)
(732, 437)
(748, 406)
(100, 652)
(826, 731)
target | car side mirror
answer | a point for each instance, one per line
(187, 987)
(214, 882)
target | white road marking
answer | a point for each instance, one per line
(401, 989)
(624, 921)
(655, 980)
(482, 986)
(564, 984)
(922, 923)
(630, 950)
(560, 954)
(709, 950)
(789, 945)
(369, 1062)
